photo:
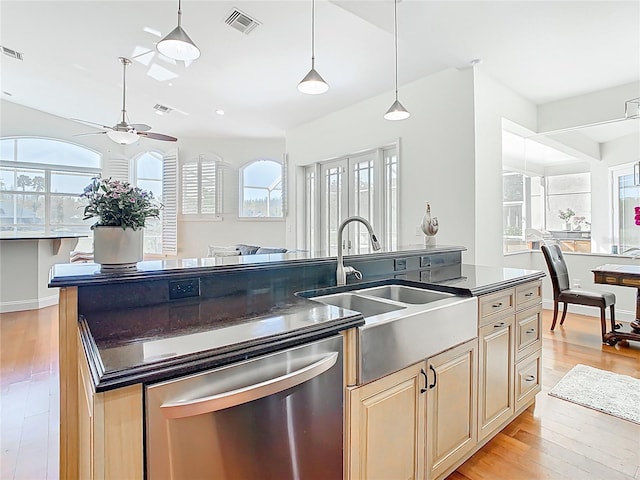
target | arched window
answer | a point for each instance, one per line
(41, 180)
(261, 184)
(148, 176)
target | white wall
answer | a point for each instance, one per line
(493, 103)
(436, 154)
(193, 237)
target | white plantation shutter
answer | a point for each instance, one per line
(170, 201)
(189, 190)
(201, 186)
(208, 198)
(116, 168)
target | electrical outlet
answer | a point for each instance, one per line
(184, 288)
(400, 264)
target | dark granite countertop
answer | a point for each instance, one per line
(158, 342)
(76, 274)
(147, 344)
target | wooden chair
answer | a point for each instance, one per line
(562, 293)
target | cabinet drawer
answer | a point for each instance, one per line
(528, 328)
(502, 301)
(527, 379)
(528, 294)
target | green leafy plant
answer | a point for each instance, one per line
(118, 204)
(566, 215)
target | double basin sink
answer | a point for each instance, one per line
(404, 325)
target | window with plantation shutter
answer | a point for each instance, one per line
(170, 202)
(201, 186)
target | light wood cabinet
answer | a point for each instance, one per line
(386, 431)
(510, 350)
(496, 402)
(451, 407)
(109, 429)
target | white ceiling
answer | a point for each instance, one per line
(544, 50)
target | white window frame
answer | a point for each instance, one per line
(385, 224)
(198, 215)
(242, 186)
(48, 169)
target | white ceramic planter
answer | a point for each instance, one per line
(116, 249)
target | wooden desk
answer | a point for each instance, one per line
(626, 276)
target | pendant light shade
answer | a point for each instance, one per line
(397, 110)
(313, 83)
(177, 44)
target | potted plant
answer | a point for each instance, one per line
(122, 211)
(565, 216)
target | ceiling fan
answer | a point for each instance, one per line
(126, 133)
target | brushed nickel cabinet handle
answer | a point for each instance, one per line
(531, 330)
(497, 305)
(499, 325)
(529, 378)
(530, 294)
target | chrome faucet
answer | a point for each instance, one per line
(341, 270)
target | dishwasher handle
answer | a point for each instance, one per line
(220, 401)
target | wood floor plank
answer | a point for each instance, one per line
(553, 439)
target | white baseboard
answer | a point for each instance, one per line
(624, 315)
(31, 304)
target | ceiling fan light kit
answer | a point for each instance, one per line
(123, 138)
(397, 110)
(177, 44)
(125, 133)
(313, 83)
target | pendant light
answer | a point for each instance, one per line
(396, 111)
(177, 44)
(313, 83)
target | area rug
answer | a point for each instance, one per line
(608, 392)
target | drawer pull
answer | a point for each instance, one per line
(529, 378)
(531, 330)
(530, 294)
(499, 325)
(497, 305)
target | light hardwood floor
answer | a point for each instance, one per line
(553, 439)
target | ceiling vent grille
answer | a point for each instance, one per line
(241, 21)
(161, 108)
(11, 53)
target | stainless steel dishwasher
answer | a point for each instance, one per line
(279, 416)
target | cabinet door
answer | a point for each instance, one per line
(451, 407)
(496, 374)
(386, 427)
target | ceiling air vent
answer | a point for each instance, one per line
(11, 53)
(162, 109)
(241, 21)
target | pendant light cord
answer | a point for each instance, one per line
(313, 33)
(125, 62)
(179, 11)
(395, 34)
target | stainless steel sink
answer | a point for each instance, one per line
(366, 306)
(401, 293)
(404, 325)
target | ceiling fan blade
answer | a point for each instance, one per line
(89, 133)
(140, 127)
(91, 123)
(158, 136)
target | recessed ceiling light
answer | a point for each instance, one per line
(219, 112)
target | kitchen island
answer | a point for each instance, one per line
(119, 333)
